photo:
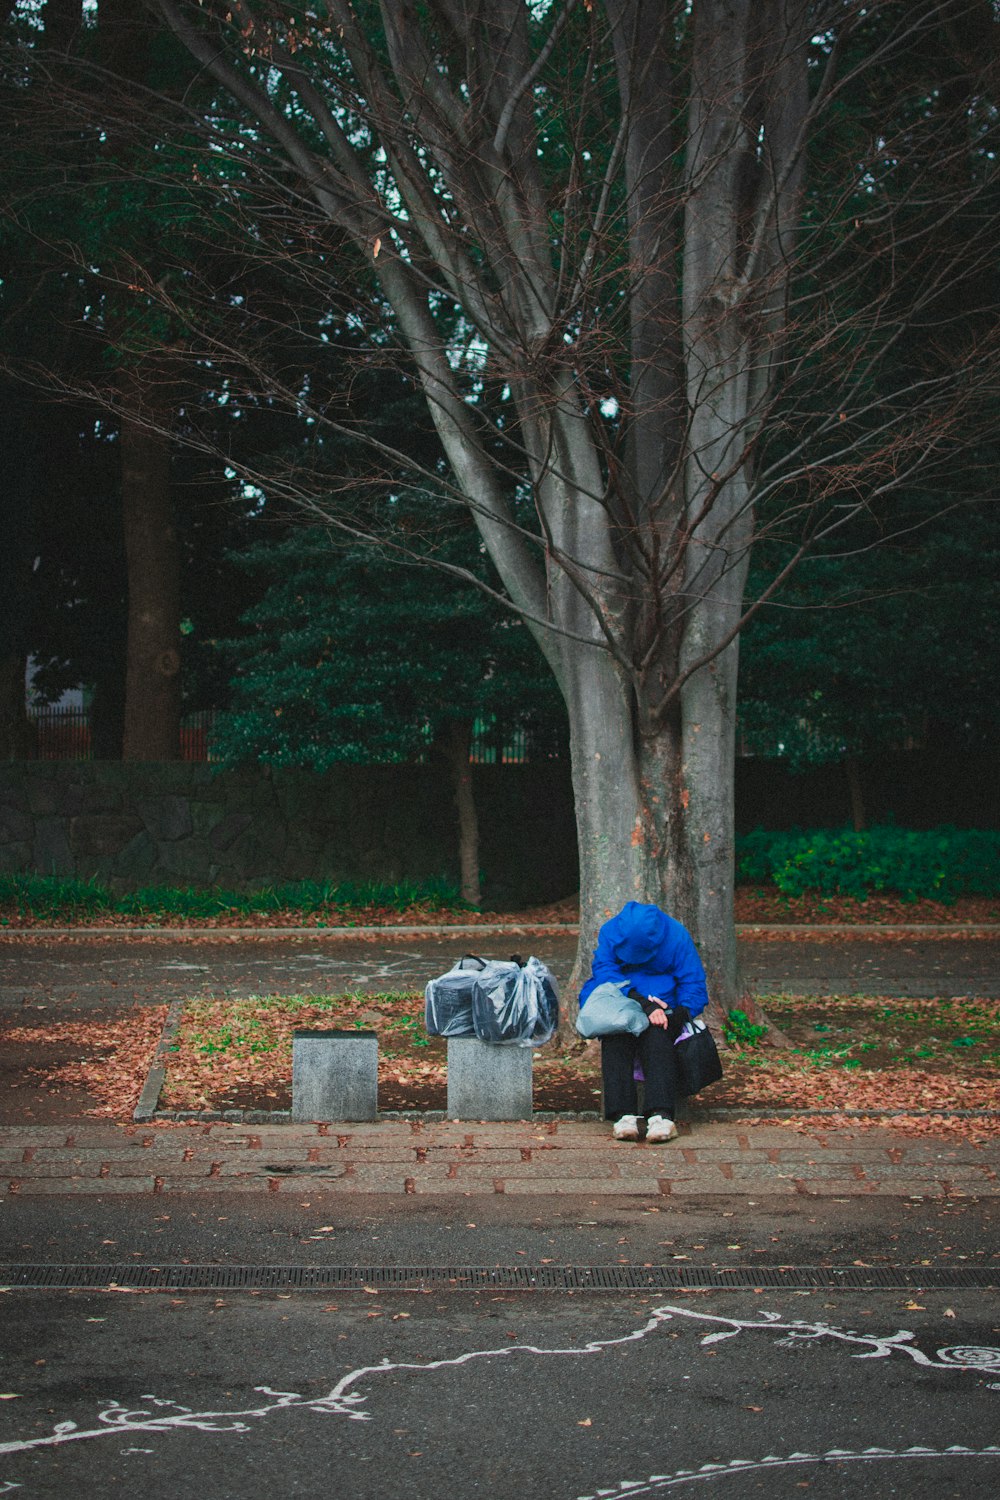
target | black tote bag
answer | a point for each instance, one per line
(698, 1062)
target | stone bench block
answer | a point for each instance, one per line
(486, 1082)
(334, 1075)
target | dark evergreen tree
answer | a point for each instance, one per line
(353, 655)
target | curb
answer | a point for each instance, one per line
(720, 1113)
(209, 934)
(494, 929)
(146, 1107)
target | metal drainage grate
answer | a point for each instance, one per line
(499, 1278)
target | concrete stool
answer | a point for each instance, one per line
(486, 1082)
(334, 1075)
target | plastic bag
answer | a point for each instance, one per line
(609, 1011)
(515, 1005)
(448, 1000)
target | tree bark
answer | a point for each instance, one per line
(152, 671)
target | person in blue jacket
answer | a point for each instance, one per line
(656, 956)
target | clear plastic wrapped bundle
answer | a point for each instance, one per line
(515, 1005)
(501, 1001)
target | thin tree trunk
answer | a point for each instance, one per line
(455, 743)
(17, 740)
(107, 715)
(152, 673)
(852, 770)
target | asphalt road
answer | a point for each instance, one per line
(84, 973)
(183, 1398)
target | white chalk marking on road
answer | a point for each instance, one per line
(633, 1487)
(343, 1401)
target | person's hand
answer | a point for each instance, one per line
(658, 1017)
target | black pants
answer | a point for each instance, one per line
(654, 1049)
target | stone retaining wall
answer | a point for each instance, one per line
(189, 824)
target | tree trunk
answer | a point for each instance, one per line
(107, 715)
(17, 740)
(152, 672)
(855, 787)
(455, 744)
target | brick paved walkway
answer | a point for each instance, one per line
(411, 1157)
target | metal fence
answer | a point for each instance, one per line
(60, 733)
(495, 743)
(65, 734)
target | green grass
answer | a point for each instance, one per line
(55, 899)
(857, 1031)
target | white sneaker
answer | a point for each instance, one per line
(659, 1128)
(626, 1129)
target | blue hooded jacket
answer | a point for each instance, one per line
(653, 953)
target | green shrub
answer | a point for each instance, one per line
(941, 863)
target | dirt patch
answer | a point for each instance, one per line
(845, 1053)
(33, 1089)
(238, 1055)
(57, 1071)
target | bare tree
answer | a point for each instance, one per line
(671, 276)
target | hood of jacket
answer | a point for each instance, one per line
(639, 932)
